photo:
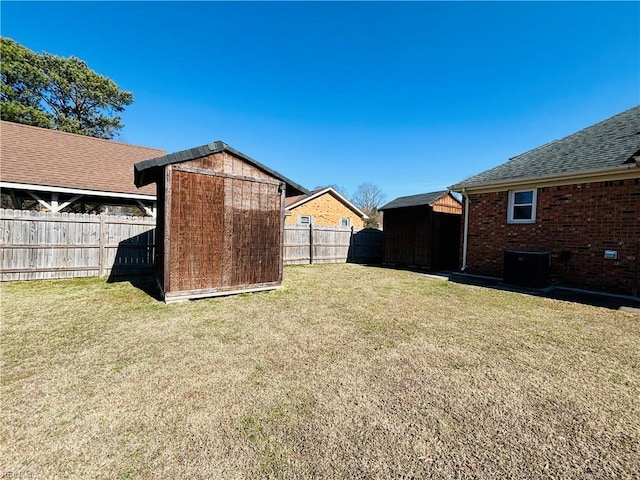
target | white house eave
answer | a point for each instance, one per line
(75, 191)
(610, 173)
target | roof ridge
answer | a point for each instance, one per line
(419, 199)
(425, 193)
(60, 132)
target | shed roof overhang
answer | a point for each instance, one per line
(147, 171)
(419, 200)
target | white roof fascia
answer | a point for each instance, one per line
(75, 191)
(363, 215)
(559, 179)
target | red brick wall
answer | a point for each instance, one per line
(584, 219)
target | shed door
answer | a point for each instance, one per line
(225, 232)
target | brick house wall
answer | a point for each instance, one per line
(584, 219)
(326, 211)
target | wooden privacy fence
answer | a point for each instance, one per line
(41, 245)
(38, 245)
(308, 245)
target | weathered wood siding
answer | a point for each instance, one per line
(41, 245)
(223, 229)
(420, 237)
(445, 235)
(310, 245)
(447, 204)
(406, 236)
(161, 218)
(196, 233)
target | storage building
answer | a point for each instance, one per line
(422, 231)
(220, 221)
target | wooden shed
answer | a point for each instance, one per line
(220, 221)
(423, 231)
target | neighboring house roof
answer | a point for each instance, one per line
(144, 175)
(611, 143)
(417, 200)
(294, 202)
(50, 158)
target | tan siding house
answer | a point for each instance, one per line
(323, 208)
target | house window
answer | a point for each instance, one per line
(522, 206)
(305, 220)
(345, 222)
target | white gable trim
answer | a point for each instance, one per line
(333, 192)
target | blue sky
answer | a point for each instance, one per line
(410, 96)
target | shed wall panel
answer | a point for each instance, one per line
(418, 236)
(255, 233)
(406, 236)
(196, 231)
(224, 227)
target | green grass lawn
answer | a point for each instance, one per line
(345, 372)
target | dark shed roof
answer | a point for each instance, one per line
(145, 171)
(610, 143)
(415, 200)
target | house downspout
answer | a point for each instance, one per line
(466, 230)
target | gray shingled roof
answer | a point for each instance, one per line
(143, 170)
(610, 143)
(414, 200)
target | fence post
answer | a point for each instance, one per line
(310, 244)
(351, 252)
(101, 243)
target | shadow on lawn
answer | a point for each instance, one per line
(595, 299)
(145, 283)
(134, 263)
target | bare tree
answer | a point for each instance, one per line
(368, 198)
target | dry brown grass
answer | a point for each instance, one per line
(316, 380)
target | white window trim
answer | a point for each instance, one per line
(534, 201)
(310, 217)
(349, 223)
